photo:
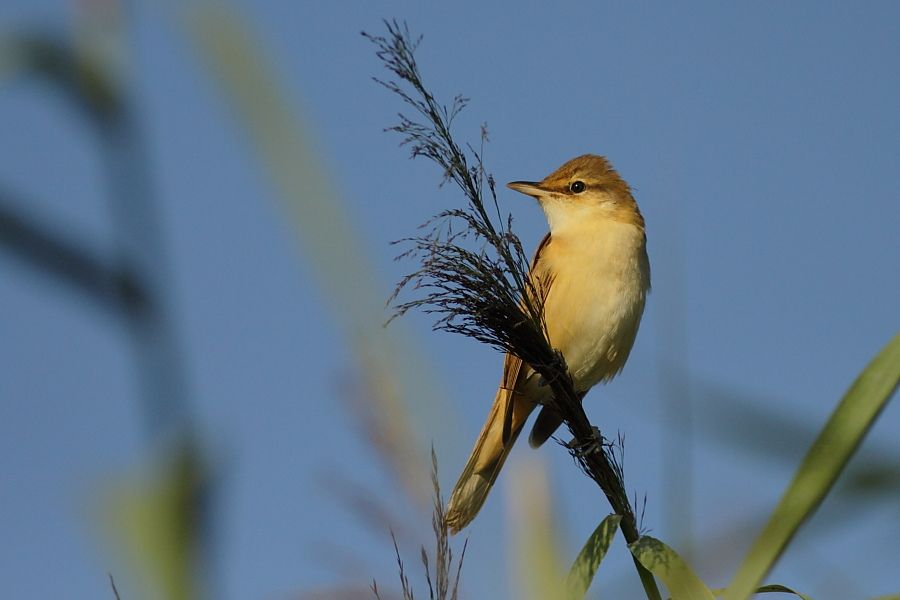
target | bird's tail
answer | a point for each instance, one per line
(488, 456)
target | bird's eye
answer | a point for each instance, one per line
(576, 187)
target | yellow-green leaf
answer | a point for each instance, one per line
(156, 517)
(588, 561)
(395, 373)
(837, 442)
(538, 559)
(675, 573)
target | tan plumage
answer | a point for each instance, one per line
(594, 271)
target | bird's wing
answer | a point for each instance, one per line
(511, 382)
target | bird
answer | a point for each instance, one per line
(594, 274)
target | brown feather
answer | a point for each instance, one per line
(511, 407)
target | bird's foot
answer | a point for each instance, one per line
(589, 446)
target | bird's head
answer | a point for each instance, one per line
(582, 191)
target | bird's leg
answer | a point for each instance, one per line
(586, 447)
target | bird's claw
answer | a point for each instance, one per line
(584, 448)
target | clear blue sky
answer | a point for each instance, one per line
(763, 142)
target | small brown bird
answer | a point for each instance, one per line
(595, 274)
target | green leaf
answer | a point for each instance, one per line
(588, 561)
(772, 588)
(156, 517)
(775, 587)
(828, 456)
(665, 563)
(538, 559)
(394, 371)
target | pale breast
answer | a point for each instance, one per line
(596, 298)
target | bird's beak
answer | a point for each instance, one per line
(529, 188)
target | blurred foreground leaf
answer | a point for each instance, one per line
(588, 561)
(539, 566)
(837, 442)
(663, 562)
(333, 246)
(37, 54)
(158, 516)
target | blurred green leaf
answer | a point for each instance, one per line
(539, 565)
(879, 477)
(675, 573)
(837, 442)
(394, 373)
(157, 516)
(588, 561)
(82, 78)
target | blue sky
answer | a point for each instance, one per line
(763, 143)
